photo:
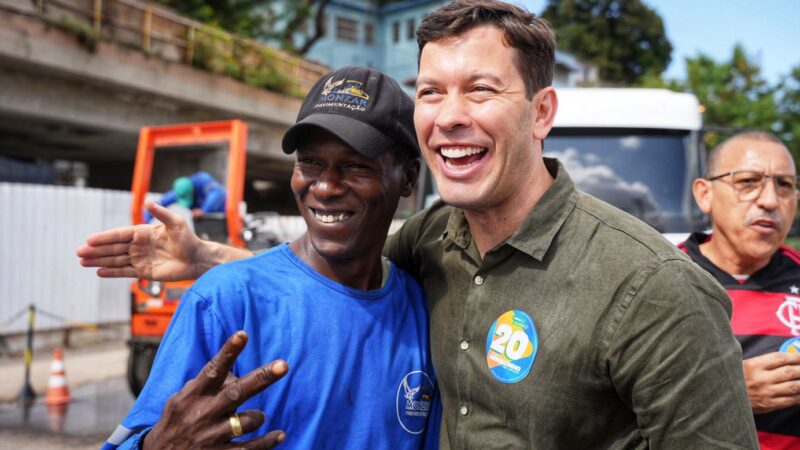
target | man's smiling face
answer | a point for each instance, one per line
(346, 199)
(473, 119)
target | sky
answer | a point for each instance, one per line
(769, 30)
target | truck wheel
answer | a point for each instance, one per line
(139, 363)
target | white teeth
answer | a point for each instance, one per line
(449, 164)
(329, 218)
(460, 152)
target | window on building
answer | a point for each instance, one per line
(346, 29)
(395, 32)
(324, 25)
(411, 28)
(369, 33)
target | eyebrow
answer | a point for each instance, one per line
(472, 78)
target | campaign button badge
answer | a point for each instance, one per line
(791, 346)
(511, 346)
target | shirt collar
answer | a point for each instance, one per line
(457, 229)
(538, 230)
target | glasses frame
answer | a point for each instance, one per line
(749, 196)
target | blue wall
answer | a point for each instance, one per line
(397, 58)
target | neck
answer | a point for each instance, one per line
(364, 272)
(491, 226)
(726, 258)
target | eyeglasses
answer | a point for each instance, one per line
(748, 184)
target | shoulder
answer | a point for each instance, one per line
(430, 222)
(236, 276)
(234, 291)
(406, 247)
(406, 281)
(640, 259)
(790, 254)
(622, 232)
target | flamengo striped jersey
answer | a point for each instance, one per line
(766, 317)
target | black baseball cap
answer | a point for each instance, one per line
(365, 108)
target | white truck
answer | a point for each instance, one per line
(638, 149)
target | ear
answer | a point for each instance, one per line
(703, 194)
(410, 175)
(545, 103)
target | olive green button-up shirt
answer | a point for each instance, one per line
(629, 347)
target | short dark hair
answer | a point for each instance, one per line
(531, 36)
(744, 135)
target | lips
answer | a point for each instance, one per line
(461, 157)
(331, 217)
(764, 223)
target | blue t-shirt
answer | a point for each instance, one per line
(360, 372)
(209, 195)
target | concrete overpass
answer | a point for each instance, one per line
(60, 100)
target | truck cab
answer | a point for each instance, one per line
(153, 302)
(638, 149)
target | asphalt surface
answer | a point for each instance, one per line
(82, 365)
(100, 399)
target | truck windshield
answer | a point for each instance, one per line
(647, 174)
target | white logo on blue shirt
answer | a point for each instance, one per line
(414, 401)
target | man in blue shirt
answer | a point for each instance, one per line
(199, 192)
(352, 325)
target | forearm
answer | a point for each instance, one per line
(212, 253)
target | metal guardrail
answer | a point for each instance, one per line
(159, 32)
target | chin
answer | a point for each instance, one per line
(461, 196)
(332, 251)
(764, 252)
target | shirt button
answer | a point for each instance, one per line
(464, 344)
(479, 280)
(463, 410)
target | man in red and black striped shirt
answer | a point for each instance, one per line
(751, 196)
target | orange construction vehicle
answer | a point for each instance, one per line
(153, 303)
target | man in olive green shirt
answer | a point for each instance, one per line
(557, 321)
(630, 341)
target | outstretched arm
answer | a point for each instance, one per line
(168, 251)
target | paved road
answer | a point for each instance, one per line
(31, 440)
(83, 365)
(94, 413)
(96, 377)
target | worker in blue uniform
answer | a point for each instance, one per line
(199, 192)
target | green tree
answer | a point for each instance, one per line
(734, 95)
(295, 25)
(788, 99)
(624, 38)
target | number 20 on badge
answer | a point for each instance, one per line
(511, 346)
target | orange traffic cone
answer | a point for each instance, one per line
(56, 415)
(57, 390)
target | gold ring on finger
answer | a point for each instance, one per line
(236, 425)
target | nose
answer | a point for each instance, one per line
(768, 197)
(329, 184)
(453, 113)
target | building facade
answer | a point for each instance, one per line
(382, 35)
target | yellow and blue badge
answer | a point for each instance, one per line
(511, 346)
(791, 346)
